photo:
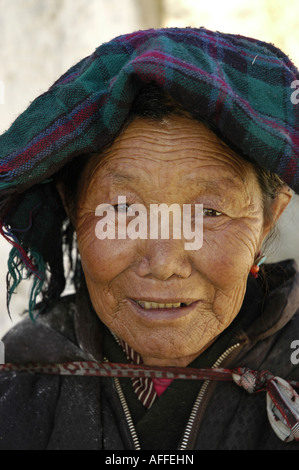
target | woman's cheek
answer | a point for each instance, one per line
(103, 260)
(228, 255)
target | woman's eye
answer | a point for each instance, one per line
(121, 208)
(211, 213)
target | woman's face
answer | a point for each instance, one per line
(180, 162)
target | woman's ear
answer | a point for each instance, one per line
(68, 207)
(278, 206)
(61, 190)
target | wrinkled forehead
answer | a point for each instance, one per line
(176, 147)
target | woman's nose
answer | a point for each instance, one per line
(164, 259)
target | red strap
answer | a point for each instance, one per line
(114, 369)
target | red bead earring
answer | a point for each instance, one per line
(254, 271)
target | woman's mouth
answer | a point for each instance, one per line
(163, 311)
(154, 305)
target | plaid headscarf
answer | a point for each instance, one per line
(244, 86)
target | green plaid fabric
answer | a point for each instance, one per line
(243, 85)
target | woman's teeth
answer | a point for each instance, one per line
(148, 305)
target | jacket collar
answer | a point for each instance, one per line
(281, 294)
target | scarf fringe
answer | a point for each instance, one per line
(20, 267)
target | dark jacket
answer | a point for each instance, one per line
(39, 411)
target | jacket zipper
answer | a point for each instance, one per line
(127, 414)
(196, 406)
(199, 399)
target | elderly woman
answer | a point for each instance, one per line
(161, 341)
